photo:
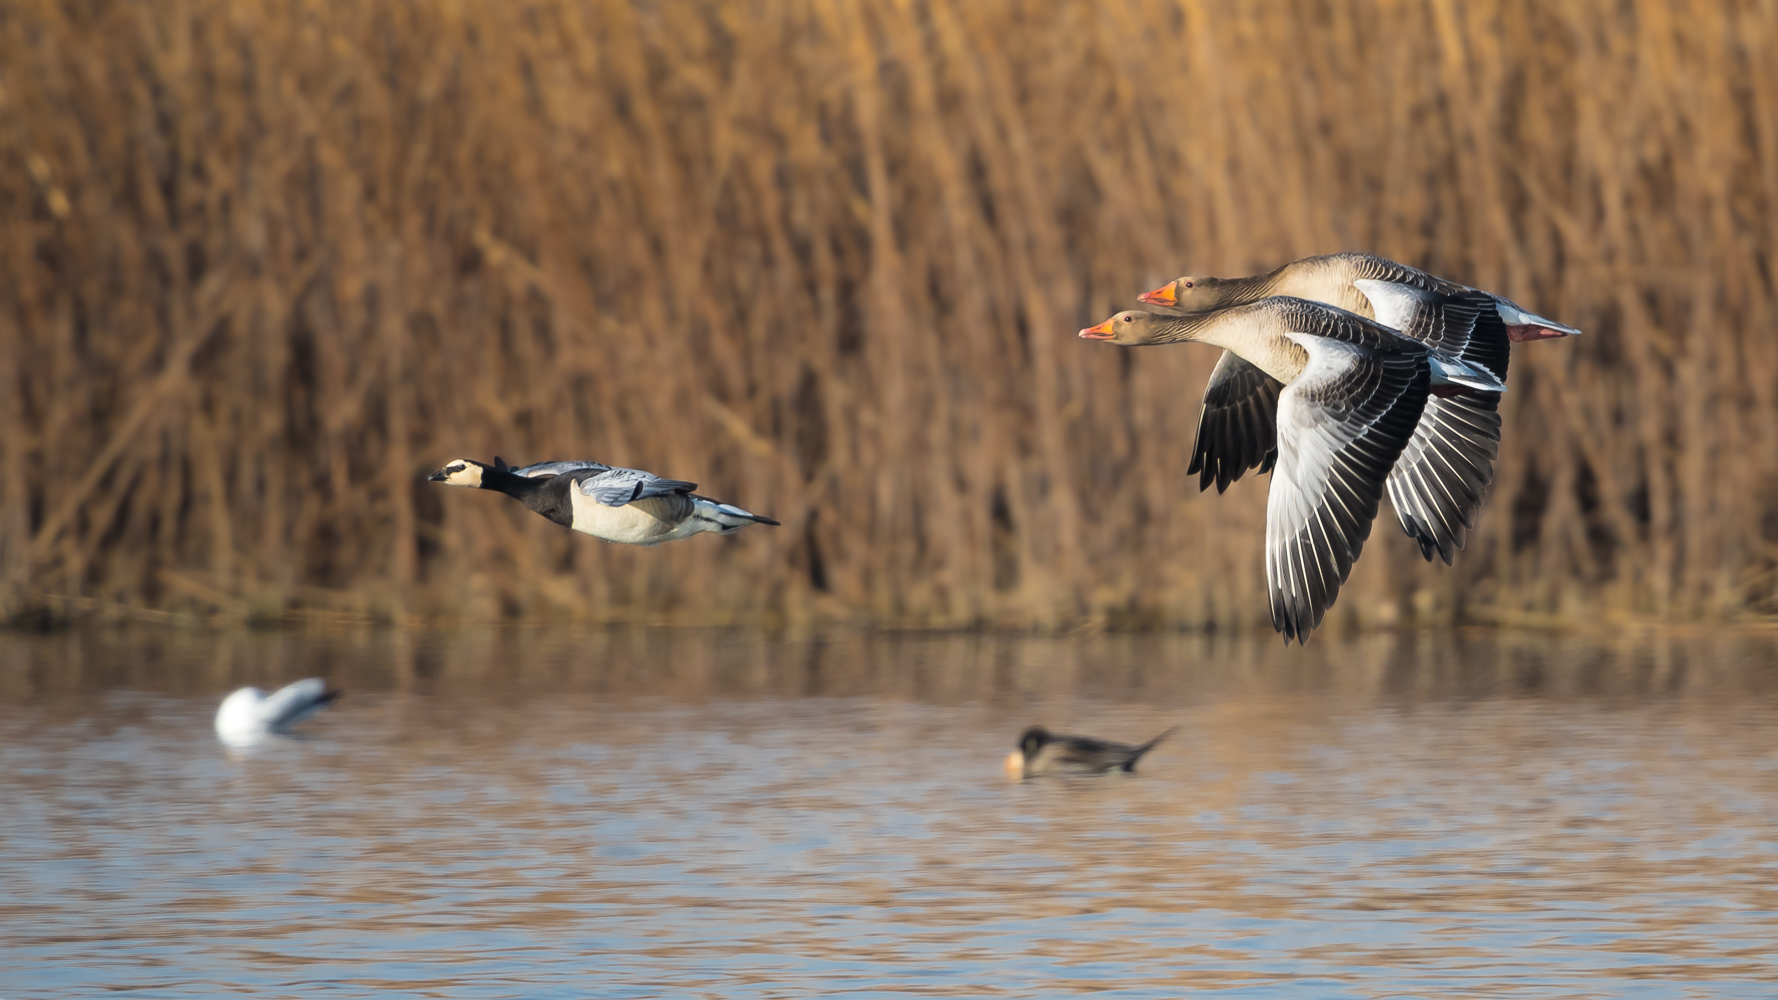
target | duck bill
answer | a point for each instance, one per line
(1162, 296)
(1015, 766)
(1100, 332)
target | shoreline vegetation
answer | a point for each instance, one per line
(265, 265)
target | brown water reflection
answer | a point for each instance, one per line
(684, 813)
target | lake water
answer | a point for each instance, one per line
(658, 813)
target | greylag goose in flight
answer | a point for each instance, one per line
(1043, 752)
(1442, 479)
(1352, 392)
(250, 714)
(618, 505)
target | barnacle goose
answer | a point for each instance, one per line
(619, 505)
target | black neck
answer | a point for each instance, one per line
(517, 487)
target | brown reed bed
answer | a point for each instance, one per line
(264, 265)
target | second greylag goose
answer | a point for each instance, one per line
(1352, 391)
(618, 505)
(1443, 477)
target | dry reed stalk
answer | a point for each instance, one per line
(265, 264)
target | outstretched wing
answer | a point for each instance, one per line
(1341, 426)
(1238, 428)
(616, 487)
(544, 470)
(293, 703)
(1453, 324)
(1443, 475)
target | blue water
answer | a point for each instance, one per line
(709, 814)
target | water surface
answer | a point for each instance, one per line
(720, 814)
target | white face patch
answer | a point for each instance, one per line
(461, 473)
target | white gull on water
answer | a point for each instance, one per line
(250, 714)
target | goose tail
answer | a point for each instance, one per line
(1522, 325)
(724, 518)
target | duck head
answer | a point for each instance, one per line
(1015, 766)
(1031, 742)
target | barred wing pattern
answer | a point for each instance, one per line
(545, 470)
(615, 487)
(1238, 429)
(1341, 426)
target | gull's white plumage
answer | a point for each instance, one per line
(250, 714)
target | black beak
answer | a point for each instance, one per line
(436, 477)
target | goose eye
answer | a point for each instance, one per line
(1129, 319)
(1188, 284)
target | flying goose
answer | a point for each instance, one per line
(616, 504)
(1043, 752)
(1442, 479)
(1352, 392)
(249, 714)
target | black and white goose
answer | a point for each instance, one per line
(1352, 391)
(618, 505)
(1442, 478)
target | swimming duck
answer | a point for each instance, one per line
(616, 504)
(249, 714)
(1442, 478)
(1043, 752)
(1352, 393)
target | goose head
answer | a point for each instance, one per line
(1134, 327)
(460, 472)
(1197, 293)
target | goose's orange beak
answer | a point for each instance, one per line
(1162, 296)
(1100, 332)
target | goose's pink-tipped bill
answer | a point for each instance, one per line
(1100, 332)
(1166, 295)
